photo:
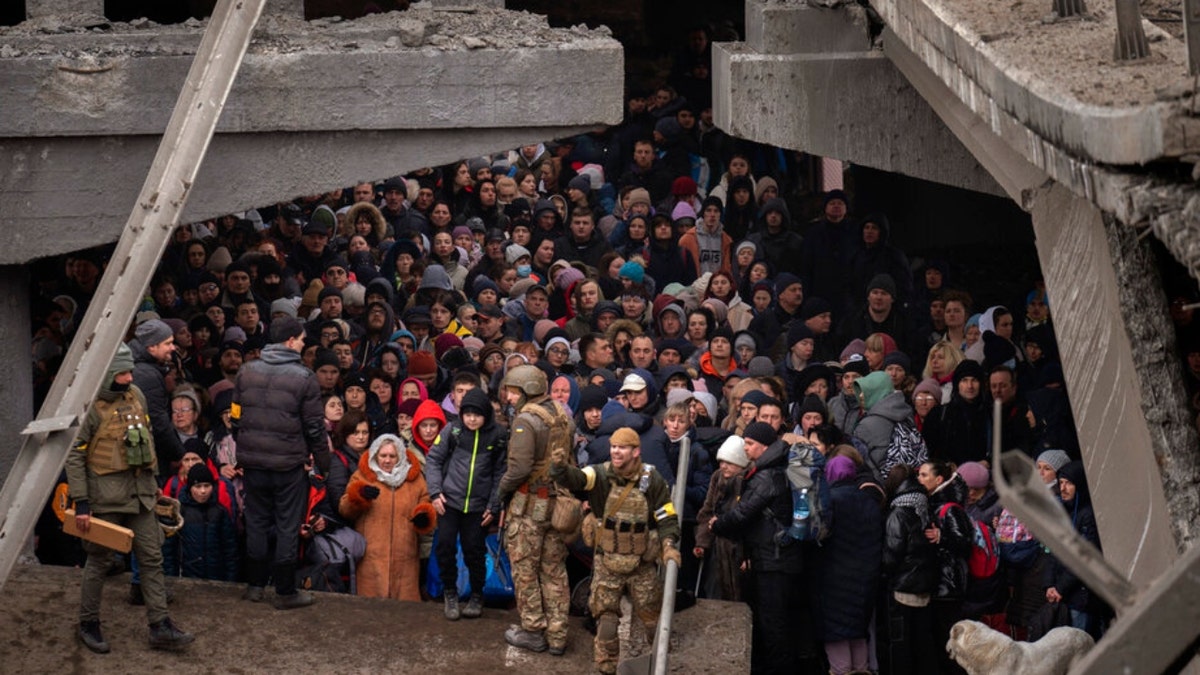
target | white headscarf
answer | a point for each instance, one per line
(399, 473)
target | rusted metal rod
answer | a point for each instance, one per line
(1065, 8)
(1131, 39)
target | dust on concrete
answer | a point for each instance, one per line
(74, 35)
(1070, 58)
(344, 634)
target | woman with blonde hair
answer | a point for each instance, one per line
(943, 358)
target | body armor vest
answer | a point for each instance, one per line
(123, 439)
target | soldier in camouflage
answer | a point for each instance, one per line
(632, 528)
(536, 550)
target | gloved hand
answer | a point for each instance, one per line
(420, 520)
(368, 492)
(671, 553)
(559, 457)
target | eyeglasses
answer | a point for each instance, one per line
(209, 287)
(184, 411)
(335, 272)
(558, 350)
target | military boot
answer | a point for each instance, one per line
(451, 610)
(294, 601)
(166, 635)
(474, 608)
(89, 635)
(525, 639)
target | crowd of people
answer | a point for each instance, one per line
(362, 360)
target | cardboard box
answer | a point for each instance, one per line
(102, 532)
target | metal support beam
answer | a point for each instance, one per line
(1191, 33)
(146, 236)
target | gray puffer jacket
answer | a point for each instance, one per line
(281, 419)
(875, 428)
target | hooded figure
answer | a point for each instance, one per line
(1087, 609)
(391, 509)
(883, 407)
(710, 246)
(778, 245)
(873, 254)
(428, 410)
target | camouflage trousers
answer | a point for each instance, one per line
(645, 591)
(539, 572)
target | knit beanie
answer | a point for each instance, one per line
(797, 332)
(929, 386)
(639, 196)
(153, 332)
(591, 397)
(733, 450)
(581, 183)
(422, 363)
(633, 271)
(444, 343)
(625, 437)
(283, 306)
(813, 403)
(568, 277)
(324, 357)
(898, 358)
(761, 366)
(200, 474)
(883, 282)
(761, 432)
(784, 280)
(974, 474)
(814, 306)
(409, 407)
(1055, 458)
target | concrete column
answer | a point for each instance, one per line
(40, 8)
(16, 387)
(1100, 329)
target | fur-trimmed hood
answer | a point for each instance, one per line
(378, 224)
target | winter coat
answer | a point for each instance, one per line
(909, 560)
(1083, 518)
(957, 432)
(762, 513)
(667, 263)
(465, 466)
(725, 553)
(700, 471)
(957, 537)
(711, 252)
(342, 465)
(844, 413)
(281, 418)
(654, 442)
(428, 409)
(882, 258)
(206, 547)
(588, 252)
(150, 376)
(875, 427)
(783, 249)
(826, 259)
(391, 566)
(849, 563)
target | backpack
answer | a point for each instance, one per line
(907, 447)
(806, 471)
(330, 561)
(984, 559)
(561, 426)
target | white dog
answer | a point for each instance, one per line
(983, 651)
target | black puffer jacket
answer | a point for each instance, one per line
(465, 466)
(150, 376)
(281, 417)
(957, 536)
(909, 560)
(766, 488)
(206, 546)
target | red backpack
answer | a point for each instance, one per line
(984, 558)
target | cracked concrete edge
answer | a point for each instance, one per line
(798, 27)
(1173, 433)
(1097, 134)
(799, 102)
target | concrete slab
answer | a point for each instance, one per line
(796, 27)
(338, 634)
(1055, 77)
(853, 106)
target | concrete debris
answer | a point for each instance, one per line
(483, 27)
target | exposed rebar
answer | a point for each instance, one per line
(1065, 8)
(1131, 39)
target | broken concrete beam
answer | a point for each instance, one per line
(851, 106)
(796, 27)
(63, 194)
(1055, 77)
(349, 75)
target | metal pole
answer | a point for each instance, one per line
(662, 636)
(1131, 38)
(147, 233)
(1191, 33)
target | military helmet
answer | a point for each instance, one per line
(529, 379)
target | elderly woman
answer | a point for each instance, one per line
(388, 501)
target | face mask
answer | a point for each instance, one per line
(118, 388)
(524, 270)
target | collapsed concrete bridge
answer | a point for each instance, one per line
(1007, 99)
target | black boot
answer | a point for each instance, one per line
(166, 635)
(525, 639)
(474, 607)
(451, 609)
(294, 601)
(89, 635)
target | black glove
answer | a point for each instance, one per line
(82, 508)
(421, 520)
(368, 492)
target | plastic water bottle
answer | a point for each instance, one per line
(800, 513)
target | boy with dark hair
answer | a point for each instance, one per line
(463, 472)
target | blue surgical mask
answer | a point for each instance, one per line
(524, 270)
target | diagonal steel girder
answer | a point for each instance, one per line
(146, 235)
